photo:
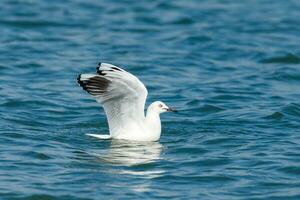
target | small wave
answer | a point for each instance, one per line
(28, 23)
(167, 5)
(210, 108)
(289, 59)
(275, 116)
(37, 23)
(194, 39)
(292, 109)
(292, 170)
(192, 102)
(183, 21)
(45, 197)
(37, 155)
(231, 97)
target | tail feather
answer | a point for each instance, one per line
(102, 137)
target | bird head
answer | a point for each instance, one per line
(161, 107)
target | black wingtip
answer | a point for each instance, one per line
(115, 68)
(81, 83)
(78, 78)
(100, 72)
(99, 65)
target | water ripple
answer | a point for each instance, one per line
(288, 59)
(230, 68)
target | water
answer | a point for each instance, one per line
(232, 68)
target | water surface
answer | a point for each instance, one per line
(232, 69)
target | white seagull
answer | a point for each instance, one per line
(123, 98)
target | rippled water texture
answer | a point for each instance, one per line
(232, 69)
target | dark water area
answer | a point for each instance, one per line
(232, 69)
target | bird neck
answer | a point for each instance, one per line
(153, 122)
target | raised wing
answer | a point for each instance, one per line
(122, 95)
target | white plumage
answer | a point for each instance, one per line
(123, 98)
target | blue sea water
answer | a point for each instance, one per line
(232, 69)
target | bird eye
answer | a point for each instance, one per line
(160, 105)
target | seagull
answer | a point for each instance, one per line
(123, 98)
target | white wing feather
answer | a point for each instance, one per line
(121, 94)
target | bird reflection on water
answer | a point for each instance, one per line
(128, 153)
(128, 157)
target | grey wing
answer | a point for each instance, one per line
(122, 95)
